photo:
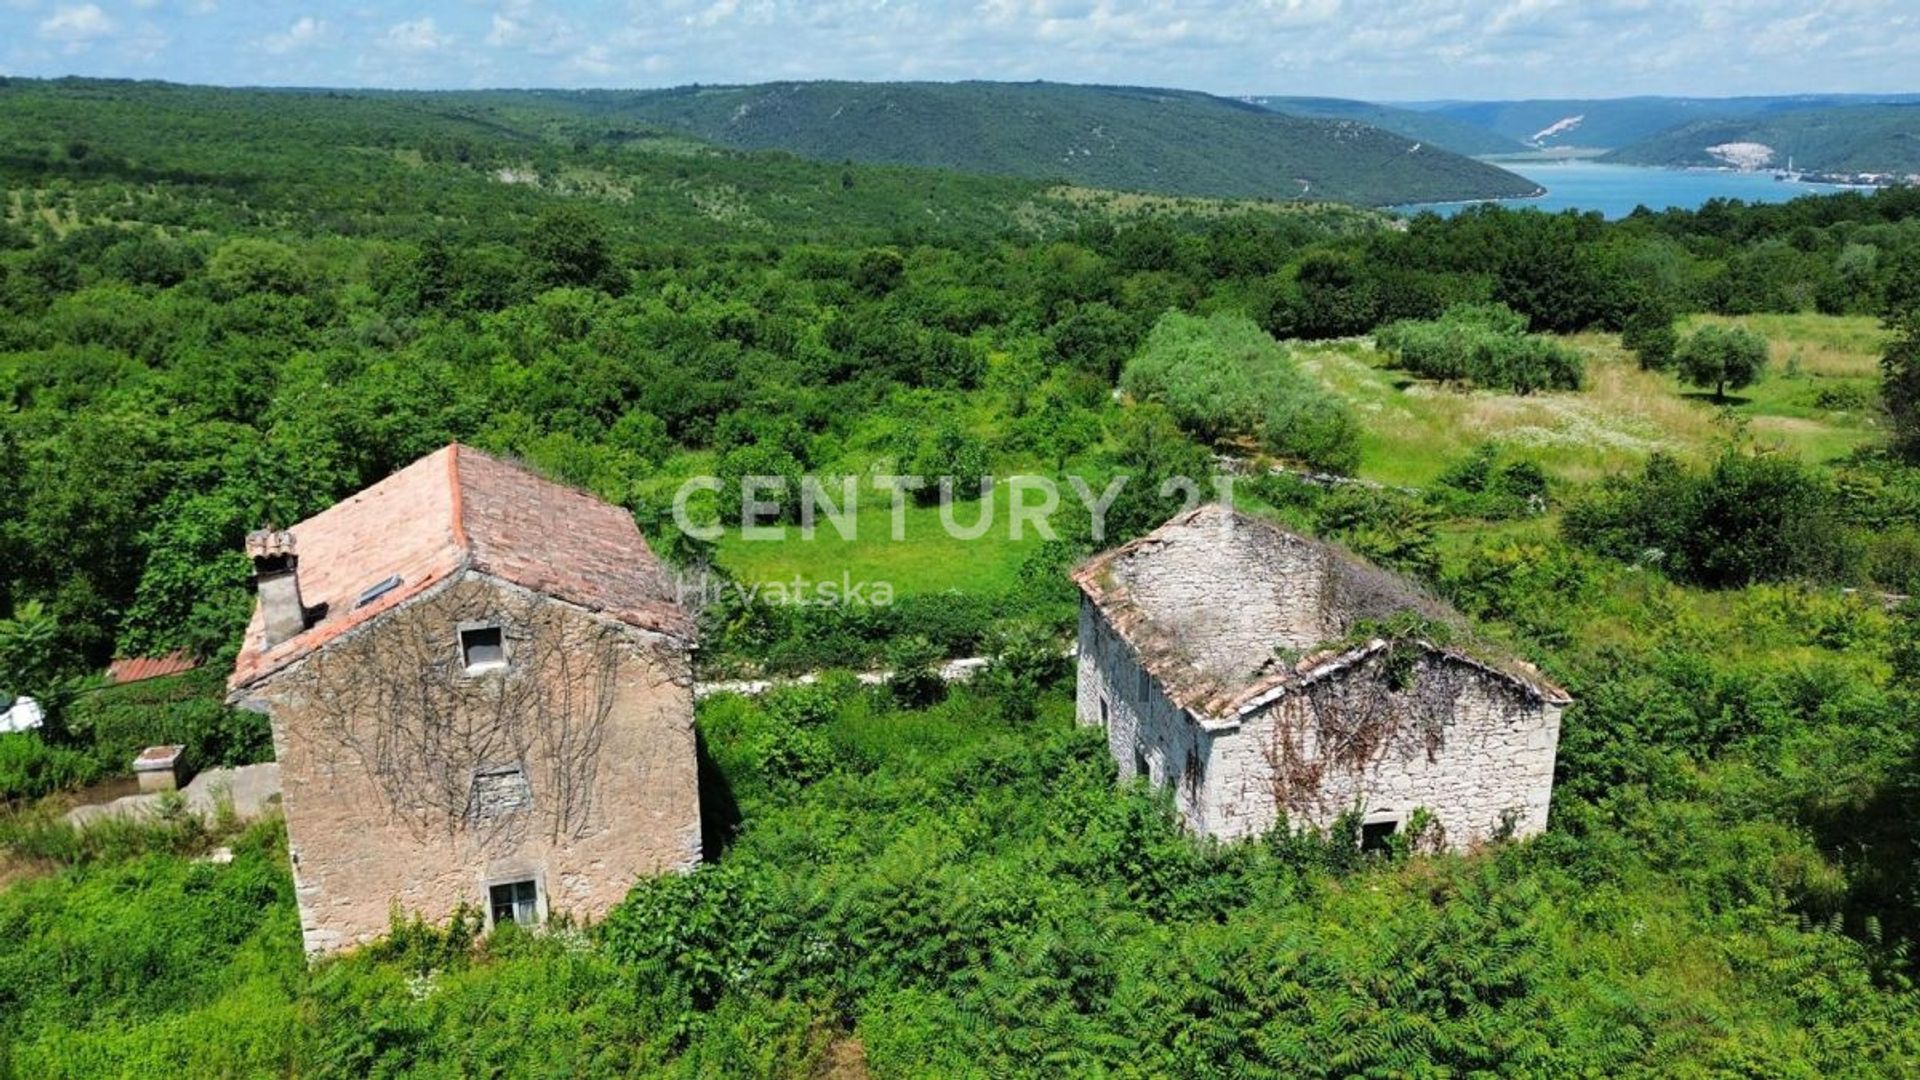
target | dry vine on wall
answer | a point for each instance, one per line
(1395, 703)
(399, 700)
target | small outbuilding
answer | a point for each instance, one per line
(1248, 668)
(481, 694)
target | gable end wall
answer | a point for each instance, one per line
(357, 855)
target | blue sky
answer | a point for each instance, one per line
(1379, 49)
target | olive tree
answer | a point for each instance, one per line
(1722, 357)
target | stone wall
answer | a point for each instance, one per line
(1482, 764)
(1140, 721)
(410, 783)
(1225, 594)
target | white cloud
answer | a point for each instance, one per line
(305, 31)
(520, 25)
(415, 36)
(76, 24)
(1383, 49)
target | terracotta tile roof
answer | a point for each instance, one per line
(455, 509)
(129, 669)
(1216, 688)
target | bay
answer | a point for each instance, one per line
(1615, 190)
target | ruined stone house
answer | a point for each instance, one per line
(481, 694)
(1243, 667)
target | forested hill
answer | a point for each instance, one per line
(1428, 127)
(1133, 139)
(478, 168)
(1611, 123)
(1854, 139)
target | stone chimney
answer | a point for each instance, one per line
(274, 577)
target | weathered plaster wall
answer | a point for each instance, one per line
(611, 771)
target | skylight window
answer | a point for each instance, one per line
(376, 591)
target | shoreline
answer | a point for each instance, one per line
(1792, 188)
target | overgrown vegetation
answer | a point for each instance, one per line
(203, 332)
(1223, 377)
(1483, 344)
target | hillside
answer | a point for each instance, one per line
(484, 165)
(1433, 128)
(1610, 123)
(1112, 137)
(1856, 139)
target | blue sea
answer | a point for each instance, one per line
(1615, 190)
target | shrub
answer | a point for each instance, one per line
(1394, 530)
(692, 938)
(30, 768)
(117, 721)
(1027, 660)
(1481, 485)
(1541, 588)
(1484, 344)
(914, 663)
(1900, 385)
(1223, 377)
(948, 451)
(1649, 334)
(1750, 517)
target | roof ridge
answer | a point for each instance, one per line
(459, 514)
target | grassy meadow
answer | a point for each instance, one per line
(925, 559)
(1816, 400)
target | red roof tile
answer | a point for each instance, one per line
(458, 508)
(129, 669)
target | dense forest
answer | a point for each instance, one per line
(220, 309)
(1420, 125)
(1610, 123)
(1102, 136)
(1857, 139)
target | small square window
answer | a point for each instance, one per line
(482, 647)
(514, 902)
(1375, 835)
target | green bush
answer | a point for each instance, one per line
(1482, 485)
(1750, 517)
(1483, 344)
(1222, 377)
(114, 723)
(1395, 530)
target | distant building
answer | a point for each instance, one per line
(1225, 658)
(481, 693)
(133, 669)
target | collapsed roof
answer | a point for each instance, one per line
(1227, 611)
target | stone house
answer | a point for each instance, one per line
(480, 688)
(1240, 665)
